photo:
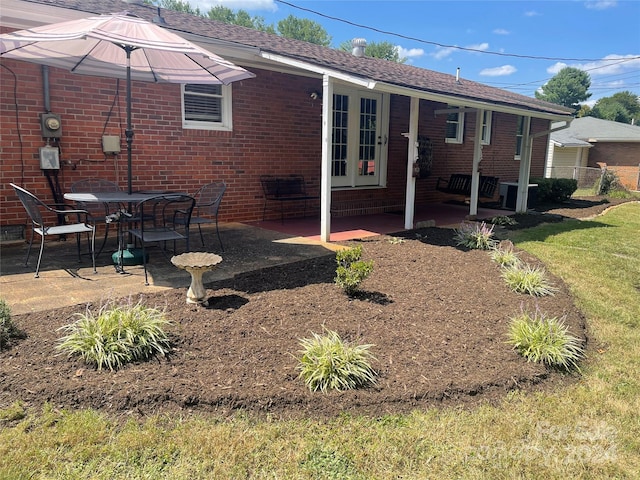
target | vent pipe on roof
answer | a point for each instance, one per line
(159, 19)
(458, 75)
(358, 45)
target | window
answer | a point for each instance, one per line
(486, 127)
(519, 134)
(455, 127)
(206, 107)
(358, 152)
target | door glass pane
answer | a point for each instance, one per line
(339, 135)
(368, 125)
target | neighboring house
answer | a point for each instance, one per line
(594, 143)
(352, 125)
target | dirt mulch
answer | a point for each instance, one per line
(437, 315)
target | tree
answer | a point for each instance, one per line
(568, 88)
(241, 17)
(623, 107)
(304, 29)
(179, 6)
(384, 50)
(585, 111)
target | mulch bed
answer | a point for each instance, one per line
(437, 315)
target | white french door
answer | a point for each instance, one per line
(357, 139)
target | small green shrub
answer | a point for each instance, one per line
(546, 340)
(351, 270)
(328, 362)
(503, 220)
(8, 329)
(475, 235)
(116, 335)
(505, 256)
(523, 278)
(554, 190)
(608, 182)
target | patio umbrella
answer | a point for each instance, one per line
(120, 46)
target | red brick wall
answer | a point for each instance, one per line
(615, 154)
(276, 130)
(278, 137)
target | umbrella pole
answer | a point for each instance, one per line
(129, 131)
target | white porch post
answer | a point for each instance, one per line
(477, 158)
(525, 167)
(325, 181)
(412, 156)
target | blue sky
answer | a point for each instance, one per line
(601, 37)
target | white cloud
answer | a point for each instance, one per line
(502, 71)
(444, 52)
(610, 65)
(556, 67)
(502, 31)
(483, 47)
(249, 5)
(409, 52)
(600, 4)
(531, 13)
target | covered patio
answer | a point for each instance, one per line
(362, 226)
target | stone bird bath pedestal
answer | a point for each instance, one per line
(196, 263)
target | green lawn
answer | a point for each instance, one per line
(590, 430)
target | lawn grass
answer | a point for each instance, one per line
(589, 430)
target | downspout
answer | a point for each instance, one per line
(46, 92)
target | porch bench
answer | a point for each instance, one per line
(460, 184)
(283, 190)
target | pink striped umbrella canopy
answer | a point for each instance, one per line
(98, 46)
(120, 46)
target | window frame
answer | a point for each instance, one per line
(459, 122)
(226, 117)
(486, 127)
(519, 136)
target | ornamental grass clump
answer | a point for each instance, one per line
(8, 329)
(505, 256)
(351, 270)
(545, 340)
(329, 363)
(523, 278)
(478, 236)
(116, 335)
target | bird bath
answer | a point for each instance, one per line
(196, 263)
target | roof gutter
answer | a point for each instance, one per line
(552, 130)
(470, 103)
(360, 81)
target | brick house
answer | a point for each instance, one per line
(596, 143)
(353, 126)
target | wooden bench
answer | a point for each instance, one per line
(283, 190)
(460, 184)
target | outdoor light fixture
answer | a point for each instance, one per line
(315, 95)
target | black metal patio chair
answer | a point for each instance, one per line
(39, 214)
(172, 213)
(208, 199)
(98, 212)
